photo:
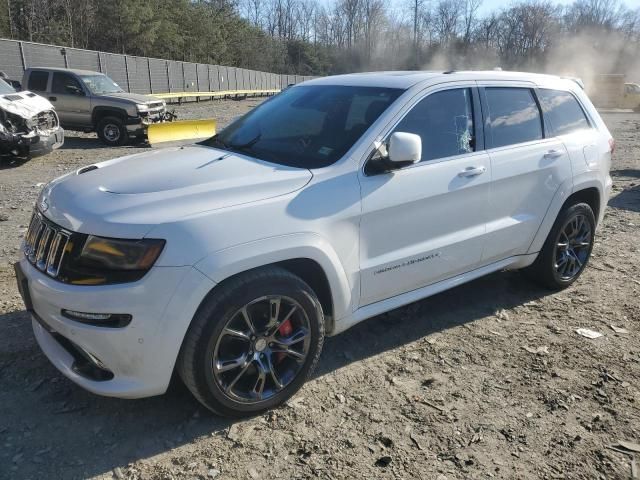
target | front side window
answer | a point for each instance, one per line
(100, 84)
(563, 111)
(63, 83)
(444, 122)
(308, 126)
(514, 116)
(38, 81)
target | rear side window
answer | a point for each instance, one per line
(563, 111)
(444, 121)
(64, 83)
(38, 81)
(514, 116)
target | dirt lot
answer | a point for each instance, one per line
(444, 388)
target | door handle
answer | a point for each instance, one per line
(551, 154)
(53, 99)
(472, 171)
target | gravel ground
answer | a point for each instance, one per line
(446, 388)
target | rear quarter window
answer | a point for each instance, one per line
(38, 81)
(514, 116)
(563, 112)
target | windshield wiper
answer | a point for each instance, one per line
(246, 147)
(215, 141)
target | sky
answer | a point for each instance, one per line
(490, 5)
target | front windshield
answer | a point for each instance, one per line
(633, 88)
(100, 84)
(307, 126)
(5, 88)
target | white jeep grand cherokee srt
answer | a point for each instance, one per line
(337, 200)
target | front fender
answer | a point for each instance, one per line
(223, 264)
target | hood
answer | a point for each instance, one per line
(132, 97)
(24, 104)
(128, 196)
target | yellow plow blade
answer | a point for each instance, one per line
(180, 130)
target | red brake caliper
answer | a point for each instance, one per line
(284, 330)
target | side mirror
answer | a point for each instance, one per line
(405, 148)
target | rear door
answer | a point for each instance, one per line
(528, 167)
(38, 82)
(426, 222)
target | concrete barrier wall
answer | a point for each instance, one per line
(139, 74)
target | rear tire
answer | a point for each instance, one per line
(237, 358)
(567, 249)
(112, 131)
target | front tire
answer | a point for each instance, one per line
(567, 249)
(112, 131)
(253, 343)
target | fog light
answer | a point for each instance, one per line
(113, 320)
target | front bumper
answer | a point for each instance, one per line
(47, 143)
(137, 125)
(137, 360)
(33, 145)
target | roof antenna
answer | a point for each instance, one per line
(448, 72)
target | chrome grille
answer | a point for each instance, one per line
(45, 245)
(46, 120)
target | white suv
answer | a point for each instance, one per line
(337, 200)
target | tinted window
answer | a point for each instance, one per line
(64, 83)
(513, 115)
(38, 81)
(563, 111)
(444, 121)
(308, 126)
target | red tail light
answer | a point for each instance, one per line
(612, 145)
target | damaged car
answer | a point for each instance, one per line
(29, 125)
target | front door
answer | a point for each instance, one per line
(71, 100)
(426, 222)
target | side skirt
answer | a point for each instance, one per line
(368, 311)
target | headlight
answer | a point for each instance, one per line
(142, 108)
(102, 261)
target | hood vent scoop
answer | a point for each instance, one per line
(86, 169)
(12, 97)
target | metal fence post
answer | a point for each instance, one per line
(24, 61)
(100, 63)
(149, 69)
(126, 72)
(166, 62)
(184, 79)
